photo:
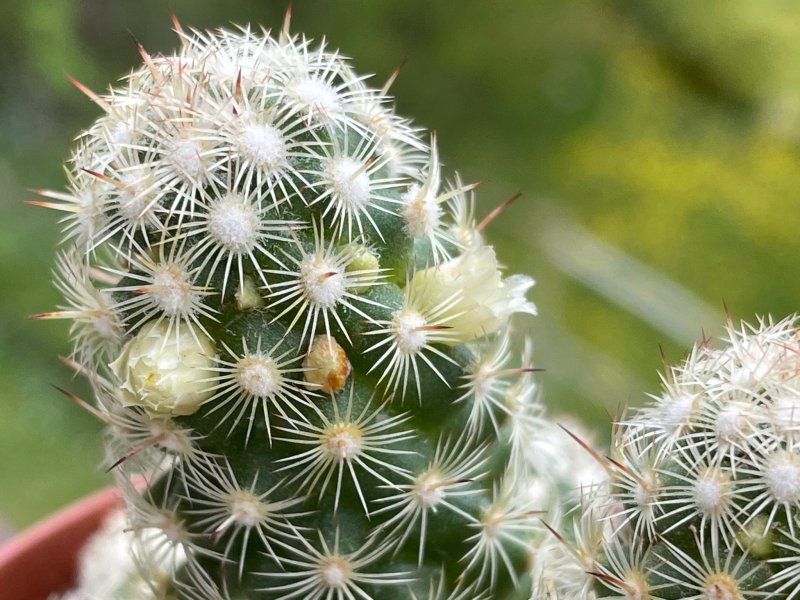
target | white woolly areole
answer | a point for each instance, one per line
(470, 294)
(409, 333)
(233, 224)
(263, 144)
(164, 373)
(335, 572)
(136, 200)
(349, 182)
(754, 362)
(170, 436)
(122, 132)
(492, 522)
(675, 411)
(421, 211)
(786, 412)
(710, 492)
(91, 216)
(343, 441)
(483, 380)
(171, 290)
(104, 322)
(259, 376)
(782, 476)
(322, 281)
(646, 492)
(429, 489)
(186, 155)
(315, 94)
(239, 61)
(636, 587)
(245, 508)
(731, 421)
(392, 157)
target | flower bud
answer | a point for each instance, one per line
(164, 372)
(470, 295)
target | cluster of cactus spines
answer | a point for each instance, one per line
(297, 337)
(703, 491)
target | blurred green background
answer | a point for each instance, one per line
(655, 143)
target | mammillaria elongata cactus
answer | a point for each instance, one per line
(704, 489)
(296, 335)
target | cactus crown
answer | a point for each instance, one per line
(296, 335)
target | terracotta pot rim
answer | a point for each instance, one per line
(42, 559)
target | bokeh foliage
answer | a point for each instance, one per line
(668, 130)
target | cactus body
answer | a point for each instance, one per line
(297, 337)
(704, 481)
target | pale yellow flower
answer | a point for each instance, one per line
(469, 294)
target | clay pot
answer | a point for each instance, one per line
(42, 560)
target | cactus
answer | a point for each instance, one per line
(704, 482)
(297, 337)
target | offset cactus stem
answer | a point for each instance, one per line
(704, 481)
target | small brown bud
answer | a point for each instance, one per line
(326, 364)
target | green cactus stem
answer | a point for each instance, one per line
(298, 337)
